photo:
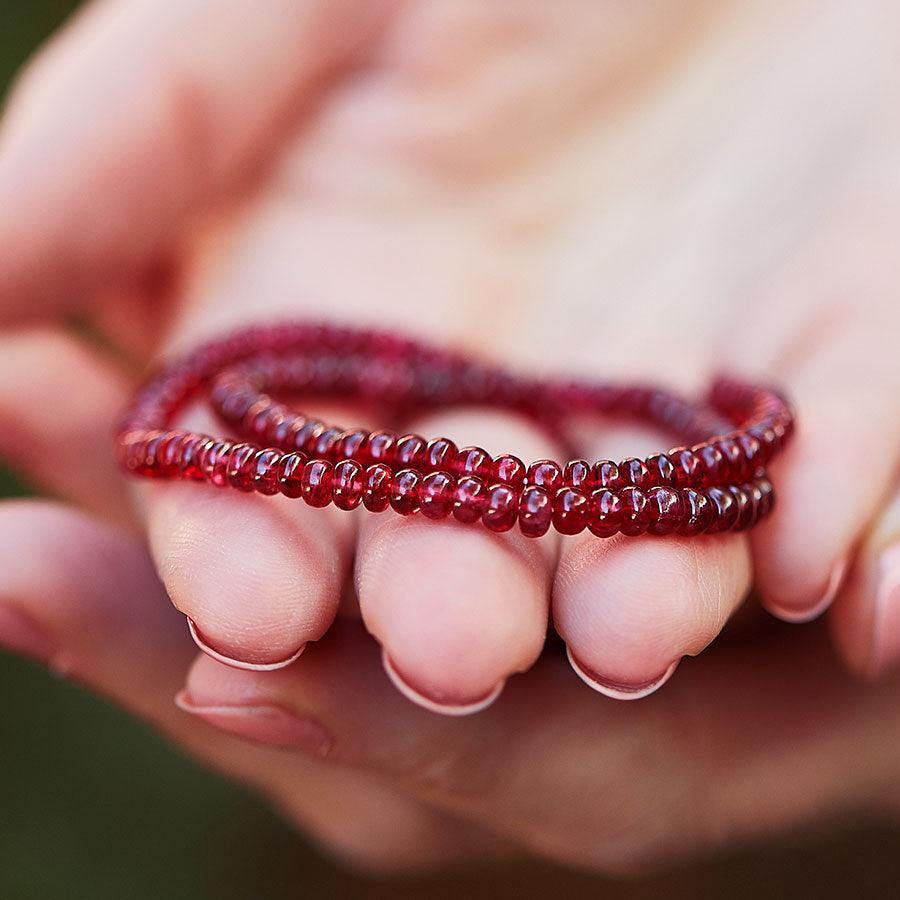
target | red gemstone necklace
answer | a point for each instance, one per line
(716, 482)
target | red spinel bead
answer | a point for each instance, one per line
(687, 467)
(169, 454)
(306, 436)
(662, 470)
(380, 447)
(605, 514)
(410, 451)
(699, 512)
(751, 450)
(191, 451)
(577, 473)
(405, 492)
(725, 509)
(440, 454)
(324, 445)
(437, 494)
(570, 511)
(148, 463)
(315, 482)
(733, 458)
(744, 506)
(607, 475)
(667, 509)
(350, 443)
(474, 461)
(290, 474)
(535, 511)
(469, 499)
(635, 511)
(712, 463)
(347, 484)
(214, 462)
(241, 466)
(265, 471)
(377, 487)
(545, 473)
(509, 470)
(635, 472)
(256, 420)
(502, 508)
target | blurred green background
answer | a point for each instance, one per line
(94, 805)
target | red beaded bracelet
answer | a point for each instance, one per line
(716, 484)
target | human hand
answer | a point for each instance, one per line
(354, 183)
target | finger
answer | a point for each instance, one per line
(86, 601)
(58, 401)
(456, 608)
(865, 619)
(720, 759)
(257, 577)
(629, 608)
(842, 375)
(137, 113)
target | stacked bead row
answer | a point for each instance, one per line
(731, 458)
(531, 501)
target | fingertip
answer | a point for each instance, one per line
(618, 690)
(797, 610)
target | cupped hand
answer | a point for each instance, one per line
(608, 191)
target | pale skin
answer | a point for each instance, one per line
(614, 190)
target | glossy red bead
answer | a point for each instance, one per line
(744, 503)
(474, 461)
(635, 472)
(570, 511)
(350, 444)
(662, 470)
(607, 475)
(290, 472)
(577, 474)
(307, 434)
(535, 511)
(733, 458)
(316, 482)
(687, 466)
(635, 511)
(667, 510)
(266, 471)
(502, 510)
(377, 487)
(545, 473)
(724, 507)
(347, 484)
(699, 512)
(241, 465)
(410, 452)
(323, 447)
(405, 492)
(712, 463)
(605, 512)
(437, 494)
(469, 499)
(509, 469)
(191, 451)
(440, 454)
(381, 447)
(214, 462)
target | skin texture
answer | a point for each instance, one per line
(609, 189)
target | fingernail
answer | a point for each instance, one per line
(886, 644)
(619, 690)
(272, 726)
(798, 615)
(447, 706)
(221, 657)
(21, 634)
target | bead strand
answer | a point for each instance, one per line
(714, 483)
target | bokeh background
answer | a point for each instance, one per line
(94, 805)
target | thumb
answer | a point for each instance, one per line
(136, 113)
